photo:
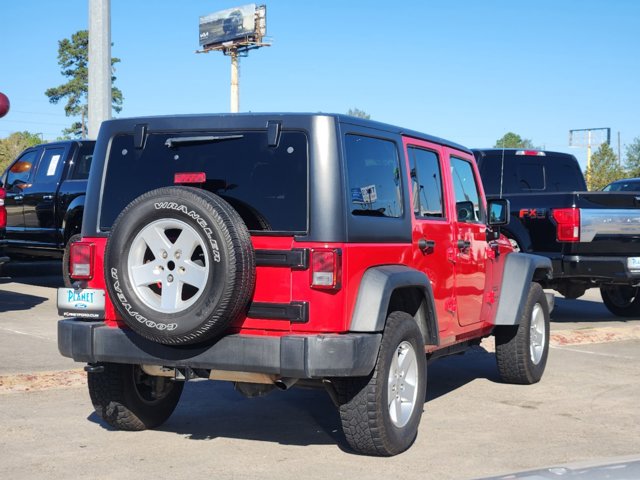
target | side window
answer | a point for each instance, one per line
(82, 163)
(468, 203)
(50, 166)
(81, 167)
(426, 183)
(20, 171)
(373, 172)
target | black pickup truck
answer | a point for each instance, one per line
(592, 238)
(45, 191)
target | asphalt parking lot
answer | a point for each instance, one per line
(585, 408)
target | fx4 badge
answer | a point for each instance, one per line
(533, 213)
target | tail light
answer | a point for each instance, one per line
(81, 260)
(531, 153)
(326, 268)
(568, 224)
(3, 209)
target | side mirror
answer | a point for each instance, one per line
(465, 211)
(499, 212)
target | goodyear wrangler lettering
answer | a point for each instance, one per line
(127, 306)
(199, 220)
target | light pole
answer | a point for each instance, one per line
(99, 94)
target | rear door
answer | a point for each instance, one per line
(432, 232)
(470, 238)
(40, 197)
(18, 179)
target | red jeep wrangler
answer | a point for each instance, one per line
(267, 249)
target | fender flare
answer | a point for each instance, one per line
(374, 295)
(72, 216)
(520, 269)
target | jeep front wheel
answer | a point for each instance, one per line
(380, 414)
(179, 265)
(128, 399)
(522, 350)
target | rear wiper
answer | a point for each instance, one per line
(171, 142)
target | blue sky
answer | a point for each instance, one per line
(468, 71)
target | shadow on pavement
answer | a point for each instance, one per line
(301, 417)
(12, 301)
(584, 311)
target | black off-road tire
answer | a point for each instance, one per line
(221, 236)
(66, 278)
(364, 401)
(122, 396)
(516, 345)
(621, 300)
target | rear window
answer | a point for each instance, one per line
(525, 174)
(266, 185)
(627, 186)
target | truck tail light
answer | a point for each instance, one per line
(3, 209)
(568, 224)
(326, 268)
(81, 260)
(531, 153)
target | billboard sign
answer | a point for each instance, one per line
(228, 25)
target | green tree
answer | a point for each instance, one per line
(356, 112)
(15, 143)
(632, 160)
(513, 140)
(604, 168)
(73, 58)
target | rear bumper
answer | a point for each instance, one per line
(296, 356)
(606, 269)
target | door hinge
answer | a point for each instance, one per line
(490, 297)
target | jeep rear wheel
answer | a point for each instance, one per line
(621, 300)
(179, 265)
(128, 399)
(522, 350)
(381, 413)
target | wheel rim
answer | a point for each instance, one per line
(622, 296)
(168, 265)
(537, 334)
(402, 386)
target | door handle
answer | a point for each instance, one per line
(47, 197)
(426, 245)
(18, 198)
(463, 244)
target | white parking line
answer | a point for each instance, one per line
(27, 334)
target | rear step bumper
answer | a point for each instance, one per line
(295, 356)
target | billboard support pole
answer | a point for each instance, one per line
(235, 90)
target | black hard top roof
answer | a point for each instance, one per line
(258, 119)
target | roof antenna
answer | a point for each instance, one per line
(502, 169)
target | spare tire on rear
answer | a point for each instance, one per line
(179, 265)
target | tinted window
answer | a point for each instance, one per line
(523, 174)
(374, 176)
(623, 187)
(50, 166)
(82, 163)
(266, 185)
(20, 171)
(426, 184)
(530, 176)
(465, 189)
